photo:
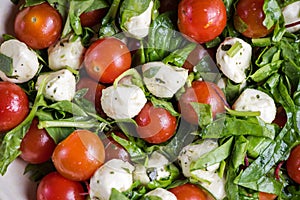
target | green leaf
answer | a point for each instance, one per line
(272, 13)
(179, 56)
(215, 156)
(164, 104)
(239, 152)
(6, 65)
(117, 195)
(204, 113)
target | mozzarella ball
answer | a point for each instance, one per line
(138, 26)
(163, 80)
(60, 85)
(67, 52)
(234, 67)
(114, 173)
(122, 101)
(256, 100)
(162, 193)
(25, 62)
(291, 15)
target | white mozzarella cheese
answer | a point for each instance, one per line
(66, 52)
(61, 85)
(138, 26)
(255, 100)
(113, 174)
(234, 67)
(122, 101)
(163, 80)
(162, 193)
(190, 153)
(25, 61)
(291, 14)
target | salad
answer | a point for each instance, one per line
(149, 99)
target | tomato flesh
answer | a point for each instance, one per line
(201, 20)
(55, 186)
(201, 92)
(14, 106)
(266, 196)
(106, 59)
(293, 164)
(188, 192)
(155, 125)
(36, 146)
(249, 17)
(79, 155)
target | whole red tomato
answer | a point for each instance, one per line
(249, 17)
(14, 106)
(38, 26)
(55, 186)
(201, 20)
(94, 92)
(92, 18)
(79, 155)
(201, 92)
(36, 146)
(188, 192)
(113, 150)
(155, 125)
(106, 59)
(293, 164)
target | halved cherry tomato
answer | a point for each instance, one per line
(36, 146)
(155, 125)
(113, 149)
(201, 92)
(106, 59)
(92, 18)
(203, 20)
(293, 164)
(94, 92)
(188, 192)
(79, 155)
(14, 106)
(266, 196)
(38, 26)
(249, 17)
(55, 186)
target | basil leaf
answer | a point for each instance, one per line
(117, 195)
(272, 13)
(204, 113)
(6, 65)
(179, 56)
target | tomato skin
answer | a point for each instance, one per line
(114, 150)
(91, 18)
(55, 186)
(266, 196)
(14, 106)
(36, 146)
(293, 164)
(201, 92)
(280, 118)
(197, 19)
(188, 192)
(38, 26)
(251, 13)
(94, 92)
(155, 125)
(106, 59)
(79, 155)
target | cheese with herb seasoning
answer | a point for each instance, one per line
(162, 193)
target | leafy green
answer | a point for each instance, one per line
(272, 13)
(6, 64)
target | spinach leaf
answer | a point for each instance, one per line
(6, 64)
(108, 24)
(117, 195)
(179, 56)
(272, 13)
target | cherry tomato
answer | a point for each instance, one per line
(113, 149)
(249, 17)
(201, 92)
(79, 155)
(38, 26)
(293, 164)
(281, 117)
(92, 18)
(55, 186)
(106, 59)
(266, 196)
(14, 106)
(155, 125)
(188, 192)
(201, 20)
(36, 146)
(94, 92)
